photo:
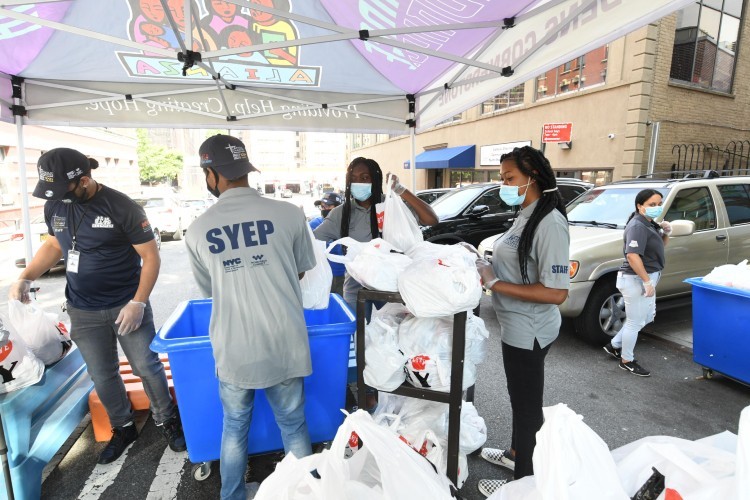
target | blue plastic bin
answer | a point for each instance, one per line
(184, 337)
(721, 329)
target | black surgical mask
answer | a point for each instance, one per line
(213, 190)
(72, 197)
(325, 213)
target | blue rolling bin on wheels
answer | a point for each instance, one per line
(721, 330)
(184, 338)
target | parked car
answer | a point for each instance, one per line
(430, 195)
(475, 212)
(192, 209)
(286, 193)
(719, 209)
(166, 216)
(38, 235)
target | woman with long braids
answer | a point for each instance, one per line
(356, 217)
(643, 246)
(528, 277)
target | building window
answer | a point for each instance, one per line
(513, 97)
(454, 118)
(581, 73)
(705, 44)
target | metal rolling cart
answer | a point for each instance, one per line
(454, 398)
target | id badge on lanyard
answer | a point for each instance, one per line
(73, 258)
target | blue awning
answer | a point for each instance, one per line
(458, 157)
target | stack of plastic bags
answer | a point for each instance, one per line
(731, 275)
(19, 367)
(414, 343)
(366, 462)
(571, 462)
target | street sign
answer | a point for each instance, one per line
(490, 154)
(557, 132)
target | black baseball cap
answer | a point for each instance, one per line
(57, 169)
(227, 155)
(329, 199)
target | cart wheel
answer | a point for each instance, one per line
(708, 373)
(201, 472)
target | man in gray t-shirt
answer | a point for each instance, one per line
(249, 253)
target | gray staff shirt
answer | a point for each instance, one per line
(642, 238)
(246, 252)
(359, 229)
(523, 322)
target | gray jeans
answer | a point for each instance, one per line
(95, 334)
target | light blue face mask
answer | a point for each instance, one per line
(509, 194)
(654, 212)
(361, 191)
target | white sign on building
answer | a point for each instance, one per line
(490, 154)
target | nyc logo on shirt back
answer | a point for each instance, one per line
(249, 234)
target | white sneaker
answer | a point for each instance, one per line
(489, 486)
(499, 457)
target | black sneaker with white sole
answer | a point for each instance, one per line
(489, 486)
(634, 368)
(612, 351)
(122, 437)
(499, 457)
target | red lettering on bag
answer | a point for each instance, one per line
(381, 219)
(354, 440)
(419, 362)
(6, 350)
(672, 495)
(61, 327)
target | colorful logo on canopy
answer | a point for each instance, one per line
(219, 25)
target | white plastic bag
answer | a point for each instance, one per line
(38, 330)
(400, 227)
(571, 461)
(428, 343)
(383, 468)
(19, 367)
(316, 283)
(384, 361)
(375, 264)
(435, 288)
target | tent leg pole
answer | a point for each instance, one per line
(413, 161)
(25, 217)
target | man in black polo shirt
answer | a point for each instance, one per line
(103, 236)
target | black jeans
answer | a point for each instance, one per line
(524, 371)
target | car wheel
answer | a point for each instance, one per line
(604, 313)
(157, 239)
(177, 236)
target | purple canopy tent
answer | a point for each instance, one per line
(392, 66)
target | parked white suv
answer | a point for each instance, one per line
(719, 207)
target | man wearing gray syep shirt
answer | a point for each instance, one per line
(249, 253)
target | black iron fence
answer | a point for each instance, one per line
(689, 159)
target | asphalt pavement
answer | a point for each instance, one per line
(621, 408)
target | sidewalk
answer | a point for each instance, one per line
(673, 325)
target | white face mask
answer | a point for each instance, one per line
(509, 194)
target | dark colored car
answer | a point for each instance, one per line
(473, 213)
(430, 195)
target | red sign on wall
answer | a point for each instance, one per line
(557, 132)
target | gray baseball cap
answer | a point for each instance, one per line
(227, 155)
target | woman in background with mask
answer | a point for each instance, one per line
(356, 217)
(529, 278)
(644, 242)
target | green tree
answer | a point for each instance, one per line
(156, 163)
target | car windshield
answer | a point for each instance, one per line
(605, 206)
(451, 204)
(151, 202)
